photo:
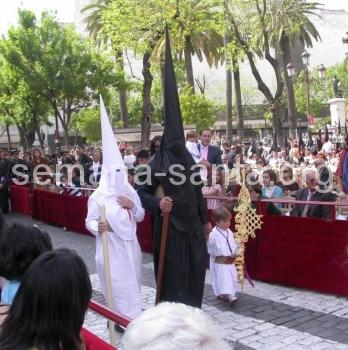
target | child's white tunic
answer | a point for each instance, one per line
(223, 276)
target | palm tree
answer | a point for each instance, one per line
(238, 98)
(194, 35)
(227, 39)
(291, 25)
(94, 25)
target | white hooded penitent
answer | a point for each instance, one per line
(113, 181)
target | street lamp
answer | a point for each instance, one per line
(322, 72)
(305, 57)
(345, 43)
(322, 76)
(291, 69)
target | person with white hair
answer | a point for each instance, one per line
(173, 326)
(123, 211)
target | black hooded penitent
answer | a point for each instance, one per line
(185, 263)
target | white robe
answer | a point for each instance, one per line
(223, 276)
(125, 259)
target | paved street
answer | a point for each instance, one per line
(264, 317)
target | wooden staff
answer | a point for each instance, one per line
(107, 278)
(163, 253)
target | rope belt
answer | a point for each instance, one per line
(225, 260)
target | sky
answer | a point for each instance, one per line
(66, 9)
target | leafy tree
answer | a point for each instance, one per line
(289, 24)
(94, 24)
(318, 93)
(194, 31)
(249, 22)
(21, 106)
(321, 90)
(138, 25)
(197, 109)
(190, 23)
(87, 121)
(57, 65)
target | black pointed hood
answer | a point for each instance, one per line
(173, 154)
(172, 149)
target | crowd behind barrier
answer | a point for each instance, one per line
(301, 252)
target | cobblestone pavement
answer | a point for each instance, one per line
(265, 317)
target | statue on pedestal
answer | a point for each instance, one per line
(336, 87)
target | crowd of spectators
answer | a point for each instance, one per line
(281, 172)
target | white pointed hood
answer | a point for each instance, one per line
(113, 181)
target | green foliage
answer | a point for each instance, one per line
(87, 121)
(341, 72)
(197, 109)
(317, 93)
(57, 64)
(320, 90)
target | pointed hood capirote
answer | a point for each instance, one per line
(113, 181)
(172, 149)
(172, 158)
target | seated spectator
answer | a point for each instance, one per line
(313, 193)
(213, 188)
(225, 162)
(94, 168)
(76, 177)
(325, 174)
(68, 187)
(256, 194)
(270, 188)
(131, 175)
(287, 182)
(129, 158)
(173, 326)
(155, 145)
(19, 247)
(49, 308)
(142, 157)
(260, 165)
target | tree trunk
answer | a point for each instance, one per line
(277, 123)
(8, 136)
(23, 139)
(29, 136)
(147, 105)
(227, 40)
(286, 59)
(188, 64)
(39, 136)
(122, 90)
(238, 98)
(66, 135)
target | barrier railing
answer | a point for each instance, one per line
(93, 341)
(109, 314)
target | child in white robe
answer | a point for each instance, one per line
(222, 249)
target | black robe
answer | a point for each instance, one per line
(185, 262)
(186, 258)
